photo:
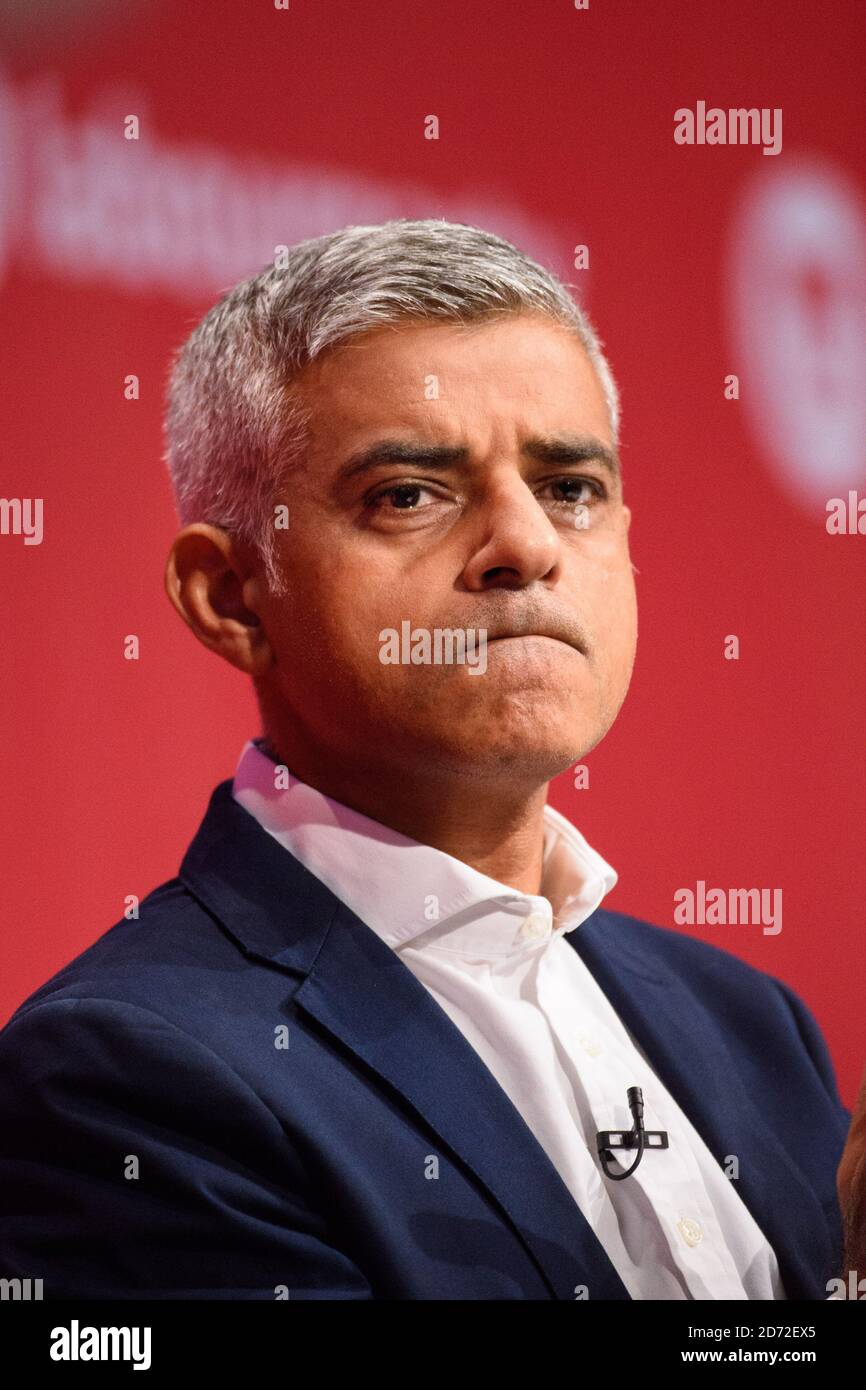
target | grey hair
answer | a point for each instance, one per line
(233, 426)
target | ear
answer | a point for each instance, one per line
(212, 582)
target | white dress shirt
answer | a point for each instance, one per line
(494, 959)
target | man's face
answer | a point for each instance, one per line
(481, 529)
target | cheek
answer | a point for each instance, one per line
(614, 618)
(331, 623)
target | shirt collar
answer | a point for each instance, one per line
(411, 893)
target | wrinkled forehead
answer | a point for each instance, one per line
(520, 373)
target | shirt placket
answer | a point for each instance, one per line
(669, 1178)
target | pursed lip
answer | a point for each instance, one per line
(555, 636)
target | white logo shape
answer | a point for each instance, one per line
(797, 300)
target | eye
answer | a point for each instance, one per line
(574, 498)
(404, 495)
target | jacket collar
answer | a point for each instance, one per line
(357, 988)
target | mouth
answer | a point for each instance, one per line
(536, 637)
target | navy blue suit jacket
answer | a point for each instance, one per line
(158, 1139)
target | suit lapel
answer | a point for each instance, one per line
(358, 989)
(689, 1052)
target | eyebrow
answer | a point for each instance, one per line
(559, 448)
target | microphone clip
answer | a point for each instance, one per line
(636, 1138)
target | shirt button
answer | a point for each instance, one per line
(535, 927)
(591, 1046)
(690, 1230)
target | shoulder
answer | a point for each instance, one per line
(158, 962)
(137, 1027)
(751, 1003)
(169, 999)
(674, 949)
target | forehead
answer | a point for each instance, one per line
(518, 368)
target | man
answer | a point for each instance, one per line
(362, 1046)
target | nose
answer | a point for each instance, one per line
(517, 544)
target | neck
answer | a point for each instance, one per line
(498, 831)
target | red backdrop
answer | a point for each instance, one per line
(260, 126)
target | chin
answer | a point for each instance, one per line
(532, 753)
(539, 717)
